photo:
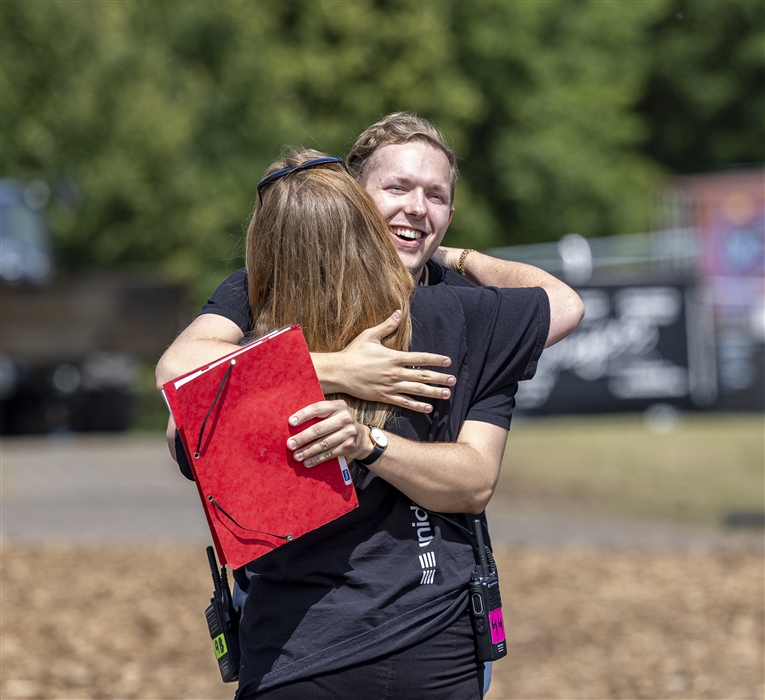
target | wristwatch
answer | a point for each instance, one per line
(380, 441)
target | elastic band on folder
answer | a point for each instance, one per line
(215, 400)
(212, 500)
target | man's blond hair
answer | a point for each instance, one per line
(394, 129)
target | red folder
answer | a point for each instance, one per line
(232, 417)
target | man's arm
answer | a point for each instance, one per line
(448, 477)
(566, 308)
(365, 369)
(457, 477)
(206, 339)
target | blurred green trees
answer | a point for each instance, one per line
(567, 115)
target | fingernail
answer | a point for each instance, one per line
(298, 456)
(451, 380)
(447, 393)
(428, 409)
(293, 420)
(447, 362)
(291, 444)
(397, 314)
(309, 463)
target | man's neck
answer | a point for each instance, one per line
(423, 278)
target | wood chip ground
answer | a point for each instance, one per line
(82, 622)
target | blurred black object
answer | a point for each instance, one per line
(223, 623)
(639, 345)
(745, 518)
(71, 345)
(674, 316)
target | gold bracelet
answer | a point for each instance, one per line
(463, 255)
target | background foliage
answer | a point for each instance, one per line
(152, 121)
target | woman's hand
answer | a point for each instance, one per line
(370, 371)
(337, 434)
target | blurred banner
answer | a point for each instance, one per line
(673, 317)
(729, 211)
(638, 345)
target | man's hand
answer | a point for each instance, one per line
(338, 434)
(370, 371)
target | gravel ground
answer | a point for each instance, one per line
(120, 621)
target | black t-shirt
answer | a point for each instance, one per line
(231, 300)
(390, 574)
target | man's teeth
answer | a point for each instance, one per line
(408, 233)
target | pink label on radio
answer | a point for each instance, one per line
(497, 626)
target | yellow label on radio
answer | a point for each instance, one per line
(219, 644)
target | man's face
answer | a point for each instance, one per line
(410, 182)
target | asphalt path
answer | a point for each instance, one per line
(96, 487)
(126, 488)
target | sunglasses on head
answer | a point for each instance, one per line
(268, 179)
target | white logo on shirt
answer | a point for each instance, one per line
(424, 537)
(428, 564)
(424, 531)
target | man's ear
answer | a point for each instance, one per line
(451, 214)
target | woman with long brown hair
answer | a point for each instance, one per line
(307, 263)
(373, 604)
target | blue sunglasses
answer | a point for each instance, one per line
(268, 179)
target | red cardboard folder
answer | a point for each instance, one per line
(232, 416)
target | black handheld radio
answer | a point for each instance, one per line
(223, 623)
(485, 604)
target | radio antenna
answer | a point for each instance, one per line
(214, 568)
(482, 561)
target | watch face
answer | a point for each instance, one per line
(379, 437)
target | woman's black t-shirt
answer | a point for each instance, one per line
(231, 300)
(390, 574)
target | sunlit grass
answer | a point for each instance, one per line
(707, 466)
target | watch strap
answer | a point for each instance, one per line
(376, 452)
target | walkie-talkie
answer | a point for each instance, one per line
(485, 604)
(223, 623)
